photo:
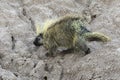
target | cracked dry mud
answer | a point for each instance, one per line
(21, 60)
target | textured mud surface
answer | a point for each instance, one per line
(20, 60)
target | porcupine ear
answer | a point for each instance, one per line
(41, 35)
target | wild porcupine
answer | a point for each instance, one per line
(68, 31)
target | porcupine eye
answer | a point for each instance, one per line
(88, 51)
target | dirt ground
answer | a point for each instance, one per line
(21, 60)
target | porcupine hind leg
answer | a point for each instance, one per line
(80, 45)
